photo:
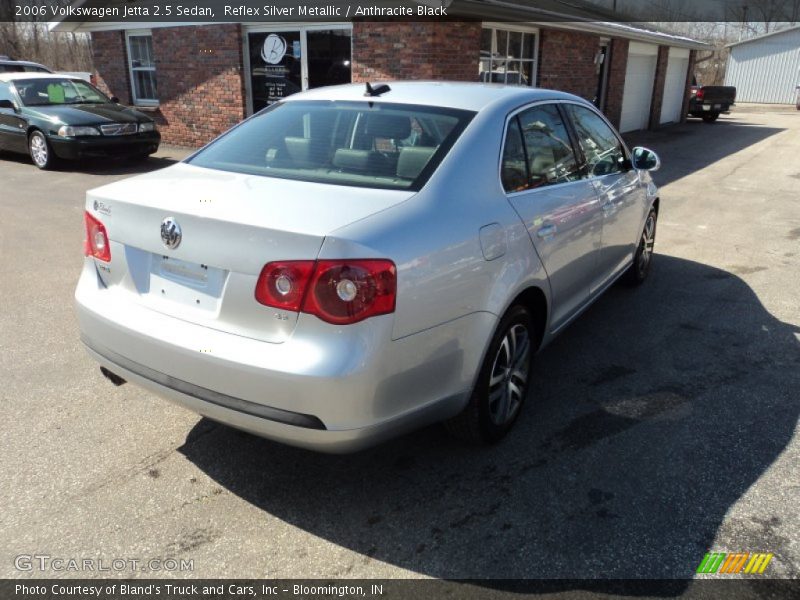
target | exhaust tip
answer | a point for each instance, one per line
(112, 377)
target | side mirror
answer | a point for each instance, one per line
(8, 104)
(645, 160)
(115, 100)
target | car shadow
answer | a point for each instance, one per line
(649, 418)
(102, 166)
(710, 142)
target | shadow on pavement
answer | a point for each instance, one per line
(649, 418)
(113, 166)
(694, 145)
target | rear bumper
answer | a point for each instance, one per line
(698, 109)
(327, 388)
(106, 146)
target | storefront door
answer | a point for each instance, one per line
(281, 62)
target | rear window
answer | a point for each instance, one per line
(389, 146)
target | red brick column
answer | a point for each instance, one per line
(616, 80)
(688, 92)
(446, 50)
(658, 87)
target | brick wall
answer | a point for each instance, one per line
(616, 80)
(111, 64)
(199, 73)
(566, 62)
(418, 50)
(658, 87)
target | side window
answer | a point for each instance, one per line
(5, 92)
(514, 173)
(601, 147)
(549, 152)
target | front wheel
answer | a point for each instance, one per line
(643, 258)
(710, 117)
(502, 384)
(40, 151)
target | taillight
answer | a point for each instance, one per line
(700, 93)
(336, 291)
(96, 242)
(283, 284)
(343, 292)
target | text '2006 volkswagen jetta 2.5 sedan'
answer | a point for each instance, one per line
(338, 269)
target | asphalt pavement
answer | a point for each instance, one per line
(663, 424)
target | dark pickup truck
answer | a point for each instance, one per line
(708, 101)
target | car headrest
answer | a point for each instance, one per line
(353, 160)
(412, 160)
(299, 150)
(392, 127)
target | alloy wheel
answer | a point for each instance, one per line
(509, 378)
(39, 150)
(647, 243)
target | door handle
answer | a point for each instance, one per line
(546, 231)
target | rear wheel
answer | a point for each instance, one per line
(502, 384)
(643, 258)
(710, 117)
(40, 151)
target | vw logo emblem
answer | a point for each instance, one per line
(170, 233)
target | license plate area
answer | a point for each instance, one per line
(185, 283)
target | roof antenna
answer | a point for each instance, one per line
(376, 91)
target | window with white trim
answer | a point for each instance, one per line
(508, 55)
(142, 67)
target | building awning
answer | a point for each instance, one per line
(542, 13)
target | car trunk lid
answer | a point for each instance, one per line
(230, 226)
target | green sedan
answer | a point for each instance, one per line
(53, 117)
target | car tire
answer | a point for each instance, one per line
(710, 117)
(499, 394)
(40, 151)
(643, 258)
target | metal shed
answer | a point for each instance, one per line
(766, 69)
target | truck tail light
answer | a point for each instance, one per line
(699, 94)
(96, 242)
(337, 291)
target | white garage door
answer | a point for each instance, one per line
(639, 78)
(674, 85)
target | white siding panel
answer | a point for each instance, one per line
(766, 70)
(640, 76)
(674, 86)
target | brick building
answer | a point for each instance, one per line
(199, 80)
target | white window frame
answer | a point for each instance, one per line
(534, 31)
(128, 35)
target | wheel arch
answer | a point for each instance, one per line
(534, 299)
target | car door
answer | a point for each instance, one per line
(622, 195)
(12, 125)
(559, 206)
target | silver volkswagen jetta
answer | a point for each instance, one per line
(342, 267)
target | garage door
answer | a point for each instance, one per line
(638, 93)
(674, 85)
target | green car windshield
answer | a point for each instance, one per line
(57, 91)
